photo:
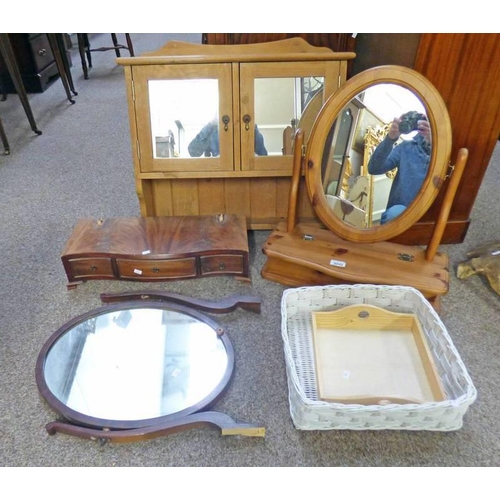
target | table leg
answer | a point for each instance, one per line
(115, 44)
(84, 48)
(55, 46)
(62, 50)
(129, 44)
(3, 136)
(15, 74)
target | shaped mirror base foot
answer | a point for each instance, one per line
(213, 419)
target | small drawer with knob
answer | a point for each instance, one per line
(85, 268)
(222, 264)
(42, 53)
(142, 269)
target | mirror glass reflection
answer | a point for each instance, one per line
(134, 364)
(182, 111)
(376, 156)
(279, 105)
(185, 117)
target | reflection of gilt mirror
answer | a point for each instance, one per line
(140, 369)
(377, 156)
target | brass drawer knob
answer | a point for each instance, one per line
(222, 266)
(156, 269)
(93, 268)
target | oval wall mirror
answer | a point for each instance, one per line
(134, 365)
(377, 154)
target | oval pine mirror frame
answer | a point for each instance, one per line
(439, 121)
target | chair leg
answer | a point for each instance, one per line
(81, 50)
(67, 68)
(54, 45)
(115, 44)
(3, 136)
(129, 44)
(84, 49)
(87, 49)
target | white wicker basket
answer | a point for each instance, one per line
(310, 413)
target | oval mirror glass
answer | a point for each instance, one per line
(378, 154)
(132, 365)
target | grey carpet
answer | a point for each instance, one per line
(81, 166)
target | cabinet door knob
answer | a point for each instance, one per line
(225, 121)
(247, 119)
(42, 52)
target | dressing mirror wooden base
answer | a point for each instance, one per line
(312, 256)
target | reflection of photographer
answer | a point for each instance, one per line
(206, 143)
(411, 158)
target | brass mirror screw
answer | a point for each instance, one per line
(450, 171)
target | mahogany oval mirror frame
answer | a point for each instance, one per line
(84, 326)
(439, 121)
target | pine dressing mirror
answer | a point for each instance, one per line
(377, 96)
(379, 116)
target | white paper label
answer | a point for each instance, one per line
(146, 252)
(337, 263)
(137, 271)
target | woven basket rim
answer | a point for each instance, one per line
(463, 401)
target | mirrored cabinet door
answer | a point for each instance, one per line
(273, 99)
(184, 117)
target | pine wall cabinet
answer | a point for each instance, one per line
(211, 126)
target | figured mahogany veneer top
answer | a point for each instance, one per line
(159, 236)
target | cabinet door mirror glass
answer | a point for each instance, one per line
(134, 364)
(383, 128)
(279, 105)
(184, 118)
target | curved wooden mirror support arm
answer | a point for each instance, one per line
(294, 188)
(227, 305)
(213, 419)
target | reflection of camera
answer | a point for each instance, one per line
(409, 122)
